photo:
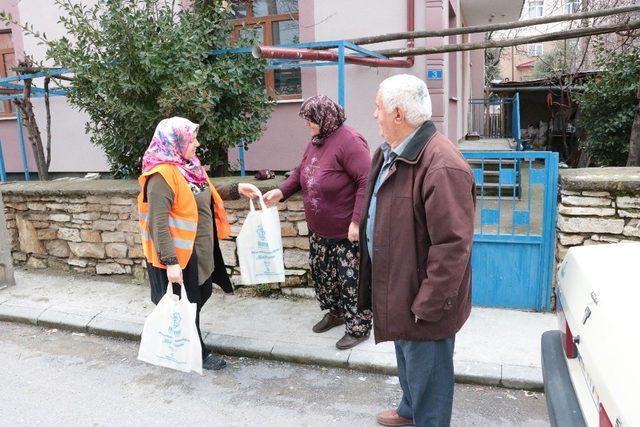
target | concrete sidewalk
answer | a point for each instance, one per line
(495, 347)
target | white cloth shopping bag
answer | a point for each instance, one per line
(170, 337)
(260, 246)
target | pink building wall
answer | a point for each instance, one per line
(334, 20)
(284, 139)
(67, 123)
(8, 125)
(477, 68)
(344, 20)
(449, 95)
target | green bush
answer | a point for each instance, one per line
(608, 106)
(138, 61)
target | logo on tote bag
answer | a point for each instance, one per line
(262, 238)
(173, 339)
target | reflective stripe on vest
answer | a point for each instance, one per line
(177, 243)
(173, 222)
(182, 223)
(182, 244)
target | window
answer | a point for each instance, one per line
(571, 6)
(7, 60)
(536, 8)
(534, 49)
(271, 22)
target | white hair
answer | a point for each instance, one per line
(408, 93)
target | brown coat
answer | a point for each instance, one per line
(422, 242)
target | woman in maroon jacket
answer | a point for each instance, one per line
(332, 176)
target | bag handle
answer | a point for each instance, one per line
(183, 290)
(263, 206)
(169, 289)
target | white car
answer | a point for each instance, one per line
(591, 365)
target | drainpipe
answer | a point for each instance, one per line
(326, 55)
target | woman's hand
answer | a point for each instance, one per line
(249, 190)
(174, 274)
(272, 197)
(354, 232)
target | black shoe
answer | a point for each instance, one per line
(349, 341)
(329, 321)
(213, 362)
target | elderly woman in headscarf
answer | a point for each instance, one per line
(332, 176)
(182, 216)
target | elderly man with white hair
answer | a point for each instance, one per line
(415, 245)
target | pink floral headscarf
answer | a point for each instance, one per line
(169, 144)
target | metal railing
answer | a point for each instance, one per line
(495, 118)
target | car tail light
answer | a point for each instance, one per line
(569, 342)
(569, 346)
(604, 418)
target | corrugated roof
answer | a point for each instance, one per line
(577, 79)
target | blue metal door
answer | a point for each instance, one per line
(513, 248)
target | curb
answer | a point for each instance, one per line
(130, 327)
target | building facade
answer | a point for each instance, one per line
(517, 63)
(452, 78)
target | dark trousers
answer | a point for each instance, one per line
(425, 369)
(196, 293)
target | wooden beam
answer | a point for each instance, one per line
(558, 35)
(494, 27)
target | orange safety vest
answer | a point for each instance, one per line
(183, 216)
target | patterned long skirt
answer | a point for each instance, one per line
(334, 271)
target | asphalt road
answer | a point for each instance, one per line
(57, 378)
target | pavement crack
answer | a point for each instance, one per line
(91, 320)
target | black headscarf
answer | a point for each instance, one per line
(323, 111)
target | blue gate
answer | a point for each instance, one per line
(513, 247)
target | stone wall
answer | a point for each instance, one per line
(598, 205)
(92, 227)
(63, 226)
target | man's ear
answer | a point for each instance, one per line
(398, 115)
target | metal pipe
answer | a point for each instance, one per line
(3, 172)
(342, 75)
(243, 169)
(324, 55)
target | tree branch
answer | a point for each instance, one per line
(48, 110)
